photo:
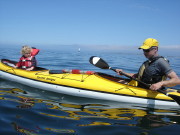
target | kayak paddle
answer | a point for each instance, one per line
(100, 63)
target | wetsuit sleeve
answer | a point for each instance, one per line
(34, 52)
(164, 66)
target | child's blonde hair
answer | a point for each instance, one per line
(25, 49)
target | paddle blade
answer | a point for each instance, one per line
(175, 97)
(98, 62)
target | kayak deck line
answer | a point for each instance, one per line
(64, 75)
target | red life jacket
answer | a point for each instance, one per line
(28, 62)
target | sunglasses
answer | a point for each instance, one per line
(148, 50)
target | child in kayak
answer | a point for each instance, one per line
(28, 60)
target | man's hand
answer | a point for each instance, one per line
(156, 86)
(119, 71)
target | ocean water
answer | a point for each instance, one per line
(29, 111)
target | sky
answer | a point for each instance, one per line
(89, 22)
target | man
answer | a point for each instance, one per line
(156, 69)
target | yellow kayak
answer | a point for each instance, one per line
(85, 84)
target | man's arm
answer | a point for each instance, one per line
(173, 81)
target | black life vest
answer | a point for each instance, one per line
(146, 76)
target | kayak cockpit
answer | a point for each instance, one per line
(12, 63)
(112, 78)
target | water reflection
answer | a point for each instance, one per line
(52, 113)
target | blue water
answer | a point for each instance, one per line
(28, 111)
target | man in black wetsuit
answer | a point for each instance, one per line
(156, 69)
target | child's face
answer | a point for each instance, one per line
(27, 54)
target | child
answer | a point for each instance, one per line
(28, 60)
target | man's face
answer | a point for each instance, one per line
(148, 53)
